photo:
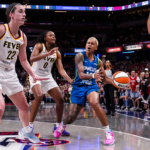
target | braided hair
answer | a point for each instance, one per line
(41, 39)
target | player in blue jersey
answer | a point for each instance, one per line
(85, 88)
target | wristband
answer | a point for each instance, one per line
(93, 75)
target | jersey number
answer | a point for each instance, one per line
(11, 55)
(45, 65)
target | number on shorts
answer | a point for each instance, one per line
(11, 55)
(45, 65)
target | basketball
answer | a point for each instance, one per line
(120, 79)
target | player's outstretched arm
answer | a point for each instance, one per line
(37, 49)
(25, 64)
(60, 68)
(106, 80)
(80, 69)
(148, 24)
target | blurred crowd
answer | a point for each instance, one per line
(128, 35)
(122, 98)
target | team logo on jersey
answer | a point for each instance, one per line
(11, 141)
(95, 64)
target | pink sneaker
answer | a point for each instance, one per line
(59, 130)
(109, 138)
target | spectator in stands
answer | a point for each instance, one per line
(128, 95)
(109, 90)
(65, 89)
(122, 98)
(69, 90)
(26, 91)
(116, 98)
(48, 97)
(144, 86)
(146, 70)
(134, 81)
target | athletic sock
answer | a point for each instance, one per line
(106, 128)
(57, 124)
(27, 129)
(31, 124)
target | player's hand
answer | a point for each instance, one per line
(98, 77)
(148, 85)
(35, 78)
(71, 81)
(101, 71)
(52, 51)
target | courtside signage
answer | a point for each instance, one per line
(134, 47)
(114, 49)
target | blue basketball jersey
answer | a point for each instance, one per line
(89, 68)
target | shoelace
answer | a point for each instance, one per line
(108, 136)
(60, 129)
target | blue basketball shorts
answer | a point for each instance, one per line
(79, 93)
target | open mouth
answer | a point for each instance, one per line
(89, 48)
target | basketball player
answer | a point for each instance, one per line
(13, 43)
(42, 65)
(85, 88)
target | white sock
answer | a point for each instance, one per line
(106, 128)
(57, 124)
(27, 129)
(31, 124)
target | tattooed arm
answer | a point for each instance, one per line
(74, 110)
(80, 69)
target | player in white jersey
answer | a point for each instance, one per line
(12, 44)
(42, 63)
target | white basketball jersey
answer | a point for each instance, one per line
(9, 49)
(44, 66)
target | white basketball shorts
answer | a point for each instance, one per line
(45, 84)
(9, 82)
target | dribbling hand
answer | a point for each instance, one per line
(98, 76)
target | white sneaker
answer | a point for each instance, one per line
(30, 136)
(126, 109)
(143, 100)
(133, 108)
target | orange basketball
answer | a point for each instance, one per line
(120, 79)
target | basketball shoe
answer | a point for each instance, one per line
(64, 133)
(30, 136)
(58, 132)
(109, 138)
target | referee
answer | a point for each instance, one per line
(109, 90)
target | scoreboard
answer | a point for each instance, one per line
(81, 8)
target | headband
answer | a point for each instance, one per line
(14, 7)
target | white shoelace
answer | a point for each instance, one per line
(60, 129)
(108, 136)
